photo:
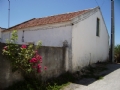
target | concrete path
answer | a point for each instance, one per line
(111, 81)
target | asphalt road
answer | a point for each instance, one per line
(111, 80)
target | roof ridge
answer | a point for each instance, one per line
(65, 13)
(86, 10)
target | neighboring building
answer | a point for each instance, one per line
(0, 32)
(85, 32)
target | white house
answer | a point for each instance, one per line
(85, 31)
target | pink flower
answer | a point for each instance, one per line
(33, 60)
(38, 66)
(41, 61)
(5, 47)
(24, 46)
(38, 57)
(45, 67)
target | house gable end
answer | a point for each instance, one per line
(85, 15)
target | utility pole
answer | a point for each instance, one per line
(112, 32)
(9, 14)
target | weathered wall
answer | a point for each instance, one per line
(6, 76)
(88, 48)
(53, 58)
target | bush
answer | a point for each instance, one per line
(23, 57)
(117, 53)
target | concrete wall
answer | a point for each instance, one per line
(88, 48)
(6, 75)
(53, 58)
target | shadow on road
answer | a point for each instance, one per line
(95, 74)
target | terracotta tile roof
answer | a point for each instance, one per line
(47, 20)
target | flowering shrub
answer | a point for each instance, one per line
(24, 58)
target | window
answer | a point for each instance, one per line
(98, 27)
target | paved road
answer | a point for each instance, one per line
(111, 81)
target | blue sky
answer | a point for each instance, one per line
(22, 10)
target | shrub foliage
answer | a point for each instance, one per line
(22, 57)
(117, 53)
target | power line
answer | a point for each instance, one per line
(103, 3)
(96, 2)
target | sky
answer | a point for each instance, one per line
(23, 10)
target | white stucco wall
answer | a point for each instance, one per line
(50, 37)
(53, 36)
(86, 46)
(5, 36)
